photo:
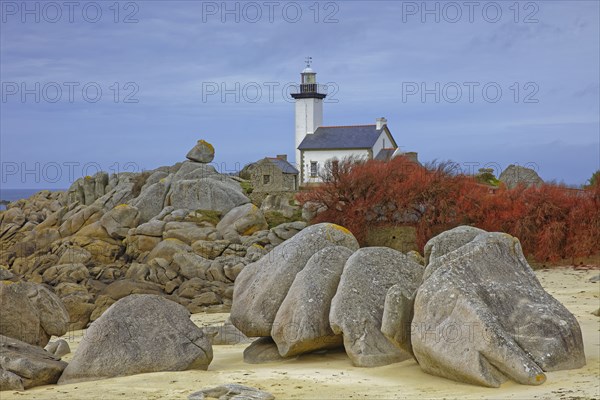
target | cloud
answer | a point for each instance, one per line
(369, 53)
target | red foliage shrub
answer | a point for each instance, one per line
(551, 221)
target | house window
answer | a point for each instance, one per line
(314, 169)
(266, 179)
(335, 167)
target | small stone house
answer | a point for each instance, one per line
(274, 174)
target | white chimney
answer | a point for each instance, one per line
(381, 122)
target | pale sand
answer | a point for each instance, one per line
(331, 376)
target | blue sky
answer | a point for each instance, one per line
(543, 56)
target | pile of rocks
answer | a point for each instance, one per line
(138, 334)
(183, 232)
(317, 291)
(476, 313)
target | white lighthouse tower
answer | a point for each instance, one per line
(309, 106)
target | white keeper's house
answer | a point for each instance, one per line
(316, 144)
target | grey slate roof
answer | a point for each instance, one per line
(283, 165)
(385, 154)
(341, 137)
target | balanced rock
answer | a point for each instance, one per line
(202, 152)
(302, 322)
(31, 313)
(23, 366)
(261, 287)
(138, 334)
(357, 308)
(482, 317)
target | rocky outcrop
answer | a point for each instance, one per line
(482, 317)
(31, 313)
(184, 232)
(262, 286)
(140, 333)
(302, 321)
(515, 175)
(357, 308)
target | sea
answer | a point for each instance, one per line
(16, 194)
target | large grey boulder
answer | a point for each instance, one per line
(202, 152)
(139, 334)
(515, 175)
(23, 366)
(302, 322)
(261, 287)
(31, 313)
(482, 317)
(449, 241)
(205, 194)
(357, 308)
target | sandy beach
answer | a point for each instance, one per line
(331, 375)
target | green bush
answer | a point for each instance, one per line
(247, 187)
